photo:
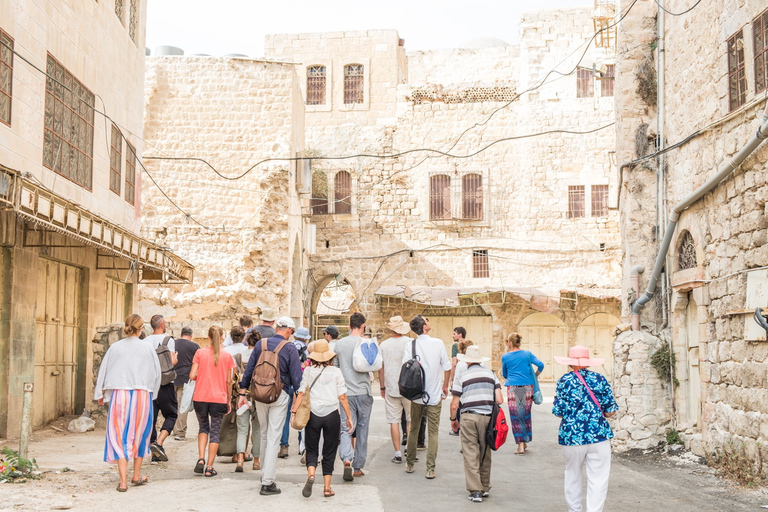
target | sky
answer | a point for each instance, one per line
(239, 26)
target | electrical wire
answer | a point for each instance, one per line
(677, 13)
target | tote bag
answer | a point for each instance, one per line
(186, 405)
(301, 417)
(537, 398)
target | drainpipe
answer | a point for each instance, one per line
(724, 171)
(634, 277)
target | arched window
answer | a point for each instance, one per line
(353, 83)
(319, 199)
(686, 251)
(316, 85)
(439, 197)
(342, 188)
(472, 197)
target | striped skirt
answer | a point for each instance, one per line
(129, 425)
(519, 399)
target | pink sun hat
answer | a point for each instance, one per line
(579, 356)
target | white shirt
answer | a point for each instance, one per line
(128, 364)
(236, 349)
(392, 351)
(155, 340)
(227, 342)
(434, 360)
(325, 391)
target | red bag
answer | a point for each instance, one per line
(496, 434)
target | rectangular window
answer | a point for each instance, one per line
(342, 192)
(439, 197)
(584, 87)
(316, 85)
(737, 77)
(480, 267)
(68, 134)
(319, 200)
(575, 201)
(354, 81)
(115, 160)
(606, 84)
(760, 40)
(472, 197)
(599, 200)
(6, 77)
(130, 173)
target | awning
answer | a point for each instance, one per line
(155, 264)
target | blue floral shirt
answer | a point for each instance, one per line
(582, 422)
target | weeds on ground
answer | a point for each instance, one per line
(16, 469)
(733, 464)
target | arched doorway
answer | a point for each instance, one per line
(332, 306)
(544, 335)
(596, 333)
(692, 345)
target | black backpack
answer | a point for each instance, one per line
(413, 379)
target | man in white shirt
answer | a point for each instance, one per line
(392, 350)
(246, 322)
(237, 335)
(165, 401)
(434, 360)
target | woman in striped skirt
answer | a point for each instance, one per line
(129, 376)
(516, 368)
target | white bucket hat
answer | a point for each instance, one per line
(473, 355)
(397, 324)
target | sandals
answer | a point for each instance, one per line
(121, 489)
(200, 466)
(307, 491)
(143, 479)
(328, 493)
(256, 464)
(209, 471)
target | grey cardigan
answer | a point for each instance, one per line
(128, 364)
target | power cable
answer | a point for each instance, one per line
(677, 13)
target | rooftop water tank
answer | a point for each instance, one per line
(167, 50)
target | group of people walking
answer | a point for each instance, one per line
(323, 390)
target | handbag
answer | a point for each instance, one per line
(301, 416)
(537, 397)
(186, 405)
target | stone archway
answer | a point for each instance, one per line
(332, 303)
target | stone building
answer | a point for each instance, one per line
(71, 75)
(700, 104)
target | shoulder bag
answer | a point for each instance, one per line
(537, 397)
(301, 416)
(594, 399)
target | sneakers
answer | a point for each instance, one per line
(408, 468)
(421, 447)
(430, 474)
(159, 452)
(397, 459)
(180, 438)
(268, 490)
(453, 433)
(405, 439)
(486, 494)
(283, 453)
(303, 459)
(476, 497)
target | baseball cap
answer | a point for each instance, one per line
(332, 330)
(285, 321)
(301, 333)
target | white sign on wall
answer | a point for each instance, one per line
(757, 297)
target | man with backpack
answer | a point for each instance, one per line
(165, 401)
(475, 389)
(273, 368)
(431, 358)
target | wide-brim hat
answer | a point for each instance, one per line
(321, 352)
(473, 355)
(397, 324)
(579, 356)
(268, 315)
(302, 333)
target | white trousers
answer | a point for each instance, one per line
(598, 459)
(271, 420)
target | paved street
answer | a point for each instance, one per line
(530, 482)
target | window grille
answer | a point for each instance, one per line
(737, 78)
(115, 160)
(584, 87)
(316, 85)
(319, 201)
(606, 84)
(686, 252)
(576, 201)
(353, 84)
(133, 20)
(342, 191)
(760, 43)
(439, 197)
(130, 173)
(68, 134)
(6, 77)
(119, 6)
(472, 197)
(480, 267)
(599, 200)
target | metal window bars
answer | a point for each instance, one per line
(686, 252)
(6, 77)
(342, 192)
(115, 160)
(737, 78)
(472, 197)
(480, 266)
(353, 84)
(440, 197)
(316, 81)
(599, 200)
(760, 45)
(608, 80)
(576, 201)
(584, 87)
(130, 173)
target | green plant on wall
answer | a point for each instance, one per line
(663, 360)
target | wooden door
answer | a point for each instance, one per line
(596, 333)
(58, 325)
(114, 310)
(544, 335)
(694, 378)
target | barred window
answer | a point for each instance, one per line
(316, 85)
(439, 197)
(584, 80)
(342, 191)
(133, 20)
(760, 42)
(130, 173)
(319, 201)
(115, 159)
(480, 266)
(472, 197)
(606, 84)
(353, 84)
(599, 200)
(686, 251)
(68, 134)
(576, 201)
(737, 77)
(6, 77)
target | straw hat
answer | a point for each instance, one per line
(321, 352)
(473, 355)
(579, 356)
(396, 324)
(268, 315)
